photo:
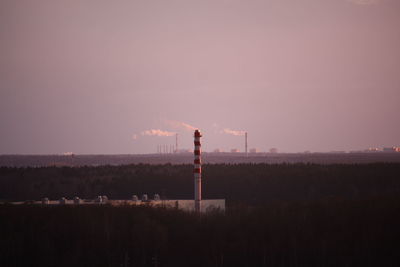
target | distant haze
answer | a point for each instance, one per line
(125, 76)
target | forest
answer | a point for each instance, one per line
(318, 233)
(250, 184)
(277, 215)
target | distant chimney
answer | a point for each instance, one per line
(176, 143)
(245, 144)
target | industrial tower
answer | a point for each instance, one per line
(197, 171)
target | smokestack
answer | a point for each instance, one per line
(176, 143)
(245, 144)
(197, 172)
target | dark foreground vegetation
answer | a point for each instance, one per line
(250, 184)
(319, 233)
(277, 215)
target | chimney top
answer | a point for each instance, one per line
(197, 133)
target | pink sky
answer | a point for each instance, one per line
(86, 76)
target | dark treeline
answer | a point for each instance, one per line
(277, 215)
(327, 232)
(251, 184)
(187, 158)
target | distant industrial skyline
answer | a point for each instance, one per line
(122, 77)
(168, 140)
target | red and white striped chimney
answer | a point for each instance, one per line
(197, 171)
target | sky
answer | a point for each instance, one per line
(123, 76)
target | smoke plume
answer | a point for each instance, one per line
(180, 125)
(233, 132)
(157, 132)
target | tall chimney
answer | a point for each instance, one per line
(245, 143)
(176, 143)
(197, 172)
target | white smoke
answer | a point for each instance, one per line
(180, 125)
(157, 132)
(233, 132)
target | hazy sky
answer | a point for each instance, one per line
(90, 76)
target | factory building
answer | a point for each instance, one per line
(156, 201)
(273, 150)
(254, 150)
(391, 149)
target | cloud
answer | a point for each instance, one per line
(134, 137)
(233, 132)
(180, 125)
(157, 132)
